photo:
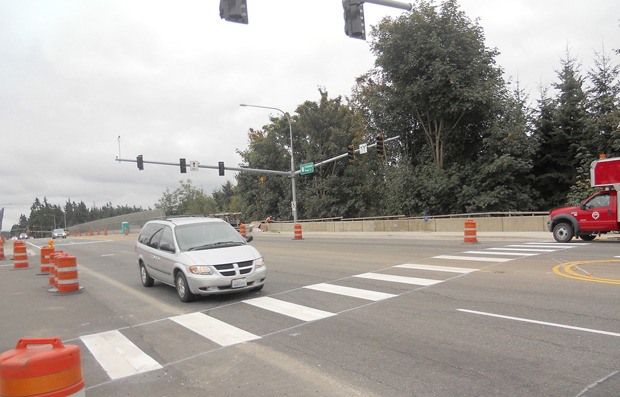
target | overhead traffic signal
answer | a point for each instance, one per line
(234, 11)
(220, 166)
(380, 147)
(351, 153)
(183, 165)
(354, 19)
(140, 162)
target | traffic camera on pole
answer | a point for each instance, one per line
(140, 161)
(234, 11)
(351, 153)
(380, 146)
(354, 19)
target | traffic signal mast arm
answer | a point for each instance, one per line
(345, 155)
(214, 167)
(390, 3)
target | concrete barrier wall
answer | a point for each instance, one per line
(483, 224)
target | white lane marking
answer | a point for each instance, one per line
(117, 355)
(538, 251)
(213, 329)
(513, 253)
(595, 331)
(471, 258)
(559, 245)
(543, 248)
(447, 269)
(353, 292)
(398, 279)
(108, 255)
(294, 310)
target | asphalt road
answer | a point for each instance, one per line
(417, 316)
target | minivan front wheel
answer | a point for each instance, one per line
(183, 288)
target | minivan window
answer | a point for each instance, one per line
(166, 243)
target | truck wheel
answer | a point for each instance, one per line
(563, 232)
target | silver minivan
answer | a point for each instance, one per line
(198, 256)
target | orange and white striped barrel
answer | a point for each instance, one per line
(20, 256)
(53, 281)
(297, 235)
(67, 274)
(45, 260)
(41, 367)
(242, 230)
(2, 248)
(470, 231)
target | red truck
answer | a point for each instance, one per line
(598, 214)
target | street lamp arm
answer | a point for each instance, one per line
(290, 129)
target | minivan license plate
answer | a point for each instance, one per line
(239, 282)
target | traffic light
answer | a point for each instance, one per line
(351, 153)
(140, 162)
(380, 147)
(234, 11)
(354, 19)
(183, 165)
(220, 165)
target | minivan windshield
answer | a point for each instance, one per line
(207, 235)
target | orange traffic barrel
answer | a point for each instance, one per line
(2, 250)
(20, 256)
(470, 231)
(298, 231)
(67, 274)
(45, 260)
(41, 367)
(52, 269)
(242, 230)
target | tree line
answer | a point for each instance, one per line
(45, 217)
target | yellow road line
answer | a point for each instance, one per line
(566, 270)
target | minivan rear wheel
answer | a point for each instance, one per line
(147, 280)
(183, 288)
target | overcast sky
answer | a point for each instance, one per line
(168, 78)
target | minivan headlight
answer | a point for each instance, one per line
(204, 270)
(259, 262)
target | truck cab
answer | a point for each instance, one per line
(598, 214)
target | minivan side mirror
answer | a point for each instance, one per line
(166, 247)
(249, 238)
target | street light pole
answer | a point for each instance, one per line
(290, 128)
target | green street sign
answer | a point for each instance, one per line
(307, 168)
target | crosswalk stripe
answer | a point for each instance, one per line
(117, 355)
(447, 269)
(213, 329)
(536, 250)
(544, 248)
(294, 310)
(512, 253)
(471, 258)
(353, 292)
(398, 279)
